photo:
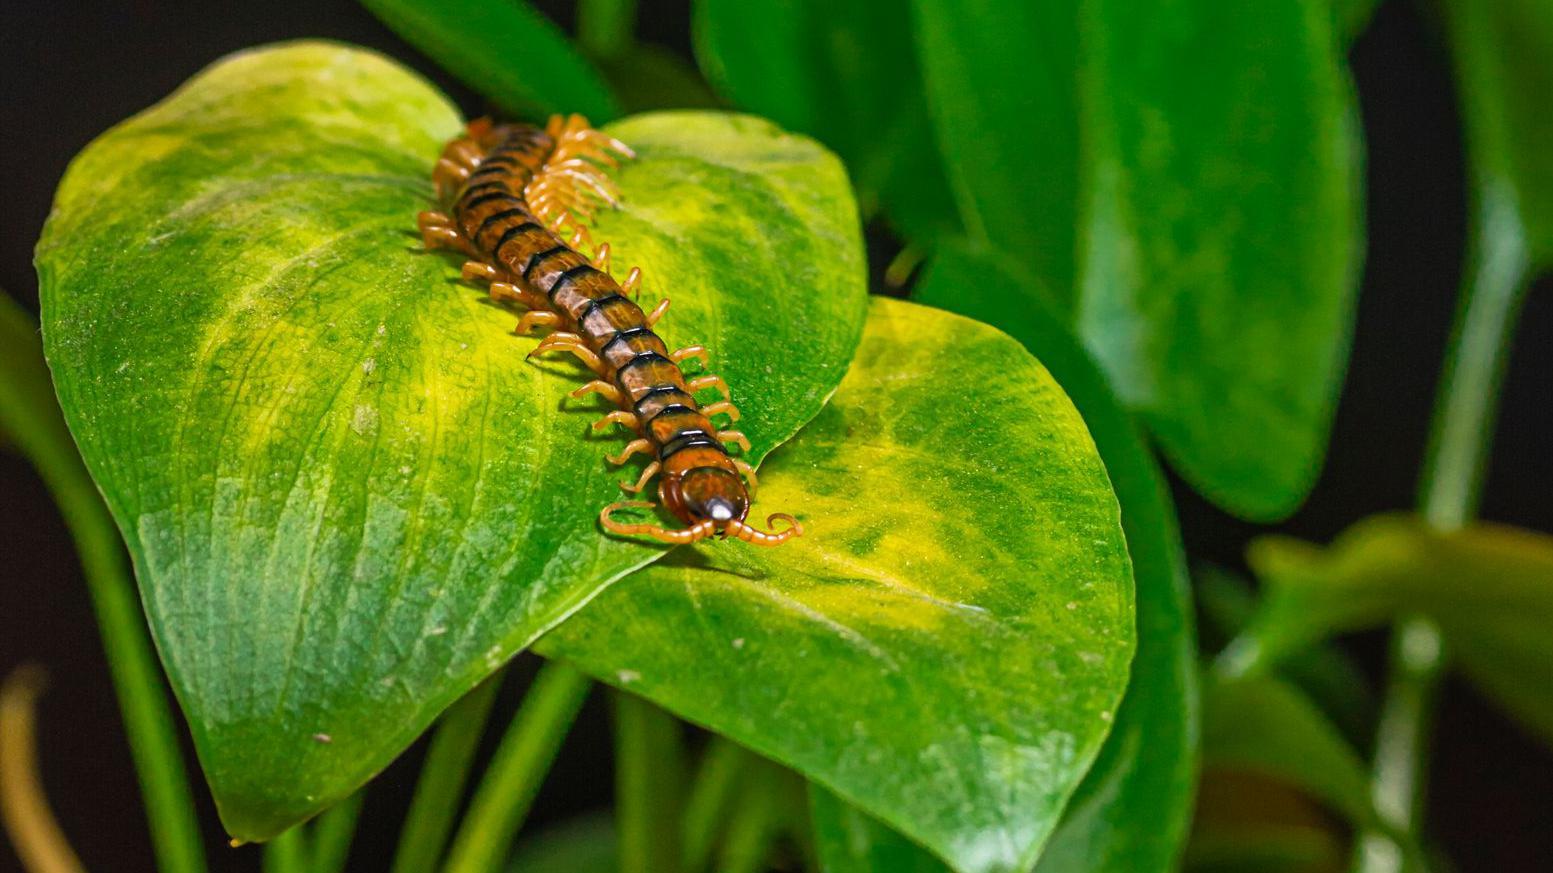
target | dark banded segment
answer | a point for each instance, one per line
(497, 217)
(538, 258)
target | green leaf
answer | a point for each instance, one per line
(1147, 769)
(504, 50)
(1352, 18)
(583, 845)
(1001, 90)
(1504, 64)
(1223, 234)
(1265, 726)
(1489, 587)
(851, 841)
(646, 76)
(347, 495)
(846, 74)
(946, 645)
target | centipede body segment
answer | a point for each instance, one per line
(516, 199)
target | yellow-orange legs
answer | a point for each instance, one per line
(700, 530)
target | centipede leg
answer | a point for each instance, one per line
(748, 470)
(508, 292)
(735, 437)
(688, 352)
(448, 174)
(657, 312)
(563, 342)
(619, 416)
(479, 271)
(633, 279)
(708, 381)
(721, 407)
(535, 318)
(634, 447)
(437, 232)
(650, 471)
(599, 386)
(601, 260)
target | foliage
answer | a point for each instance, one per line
(349, 501)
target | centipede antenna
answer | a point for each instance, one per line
(699, 531)
(755, 536)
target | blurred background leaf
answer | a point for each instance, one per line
(846, 74)
(1146, 770)
(1223, 234)
(849, 840)
(1504, 63)
(1489, 587)
(1001, 90)
(506, 51)
(1327, 674)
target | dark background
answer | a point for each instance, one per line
(71, 70)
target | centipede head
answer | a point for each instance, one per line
(703, 494)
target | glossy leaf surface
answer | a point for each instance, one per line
(1002, 89)
(846, 74)
(1147, 768)
(946, 645)
(1223, 231)
(1489, 587)
(347, 495)
(505, 50)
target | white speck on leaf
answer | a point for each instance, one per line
(738, 643)
(626, 677)
(323, 738)
(364, 419)
(369, 365)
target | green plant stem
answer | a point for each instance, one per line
(287, 853)
(443, 775)
(524, 756)
(1448, 497)
(30, 416)
(606, 28)
(333, 832)
(753, 826)
(723, 765)
(649, 755)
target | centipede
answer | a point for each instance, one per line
(517, 201)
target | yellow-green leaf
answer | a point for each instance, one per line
(347, 495)
(946, 646)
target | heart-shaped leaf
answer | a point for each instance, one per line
(946, 647)
(347, 495)
(1147, 768)
(1224, 221)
